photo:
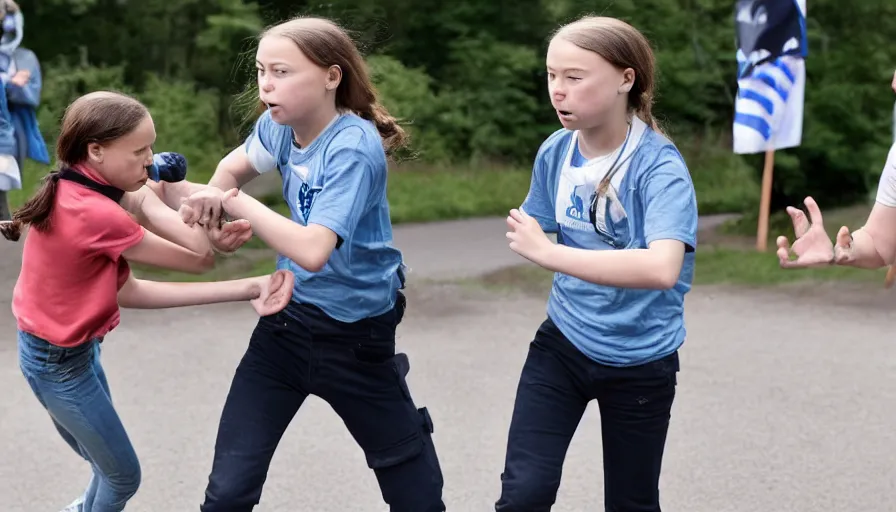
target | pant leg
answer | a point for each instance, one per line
(635, 405)
(549, 405)
(360, 375)
(267, 390)
(66, 383)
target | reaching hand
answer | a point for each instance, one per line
(527, 238)
(231, 236)
(203, 207)
(812, 246)
(274, 292)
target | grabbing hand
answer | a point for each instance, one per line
(274, 292)
(812, 246)
(21, 77)
(203, 207)
(231, 236)
(527, 238)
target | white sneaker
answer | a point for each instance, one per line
(75, 506)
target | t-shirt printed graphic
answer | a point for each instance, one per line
(577, 187)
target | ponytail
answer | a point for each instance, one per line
(644, 110)
(36, 212)
(393, 135)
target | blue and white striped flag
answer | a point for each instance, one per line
(771, 52)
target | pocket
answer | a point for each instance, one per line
(373, 351)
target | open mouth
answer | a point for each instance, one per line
(564, 112)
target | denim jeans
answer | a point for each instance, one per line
(71, 385)
(556, 384)
(351, 366)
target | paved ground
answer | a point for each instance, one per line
(784, 400)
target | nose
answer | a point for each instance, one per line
(265, 84)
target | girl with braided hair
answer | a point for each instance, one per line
(619, 196)
(90, 218)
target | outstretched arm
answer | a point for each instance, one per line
(268, 294)
(234, 171)
(157, 217)
(309, 246)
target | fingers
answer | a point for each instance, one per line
(814, 211)
(844, 238)
(230, 194)
(783, 250)
(800, 222)
(187, 214)
(517, 215)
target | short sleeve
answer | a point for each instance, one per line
(349, 175)
(538, 202)
(264, 143)
(670, 203)
(886, 187)
(108, 229)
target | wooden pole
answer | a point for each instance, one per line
(765, 200)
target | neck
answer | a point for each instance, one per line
(603, 139)
(311, 127)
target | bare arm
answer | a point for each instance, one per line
(156, 251)
(233, 171)
(142, 294)
(157, 217)
(874, 245)
(656, 267)
(309, 246)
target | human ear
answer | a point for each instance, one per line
(95, 152)
(628, 81)
(334, 77)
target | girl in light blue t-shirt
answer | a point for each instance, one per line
(620, 198)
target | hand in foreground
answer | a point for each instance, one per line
(203, 207)
(812, 247)
(274, 292)
(231, 236)
(527, 238)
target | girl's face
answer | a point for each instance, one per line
(292, 86)
(585, 88)
(124, 161)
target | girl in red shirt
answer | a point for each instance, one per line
(89, 219)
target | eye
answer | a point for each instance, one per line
(575, 78)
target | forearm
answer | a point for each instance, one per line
(173, 194)
(142, 294)
(165, 222)
(863, 252)
(627, 268)
(301, 244)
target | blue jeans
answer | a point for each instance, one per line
(71, 385)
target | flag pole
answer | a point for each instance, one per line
(766, 199)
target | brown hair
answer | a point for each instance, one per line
(326, 44)
(623, 46)
(99, 117)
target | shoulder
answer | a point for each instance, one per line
(92, 213)
(553, 149)
(25, 58)
(356, 139)
(656, 154)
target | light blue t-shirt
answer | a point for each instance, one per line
(651, 197)
(338, 181)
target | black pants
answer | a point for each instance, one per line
(5, 213)
(355, 369)
(556, 384)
